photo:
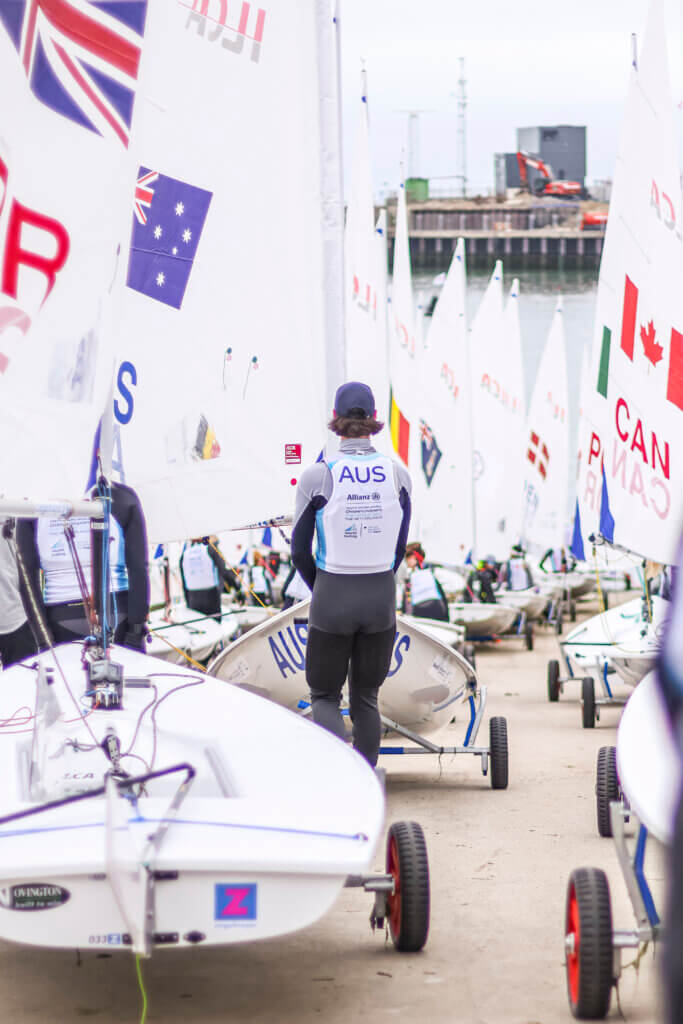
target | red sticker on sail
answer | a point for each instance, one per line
(292, 455)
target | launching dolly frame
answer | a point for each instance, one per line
(590, 704)
(496, 752)
(593, 948)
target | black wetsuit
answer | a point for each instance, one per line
(481, 580)
(67, 621)
(352, 618)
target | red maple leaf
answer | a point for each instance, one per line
(653, 351)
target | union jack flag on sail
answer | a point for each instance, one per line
(81, 57)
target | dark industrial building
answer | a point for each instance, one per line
(562, 146)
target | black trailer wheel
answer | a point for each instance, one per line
(408, 905)
(572, 611)
(605, 599)
(559, 624)
(606, 788)
(588, 944)
(498, 752)
(529, 636)
(588, 702)
(553, 680)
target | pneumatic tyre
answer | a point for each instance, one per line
(553, 680)
(498, 752)
(588, 703)
(408, 905)
(606, 788)
(529, 636)
(588, 944)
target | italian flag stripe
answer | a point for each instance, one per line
(674, 387)
(400, 431)
(628, 322)
(603, 372)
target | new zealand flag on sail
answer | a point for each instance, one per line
(81, 57)
(431, 453)
(168, 220)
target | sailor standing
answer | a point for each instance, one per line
(259, 578)
(204, 573)
(357, 505)
(423, 595)
(45, 550)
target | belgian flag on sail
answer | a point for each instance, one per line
(652, 349)
(400, 430)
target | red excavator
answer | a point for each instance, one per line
(546, 185)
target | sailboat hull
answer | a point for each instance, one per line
(648, 760)
(259, 846)
(425, 678)
(619, 638)
(482, 620)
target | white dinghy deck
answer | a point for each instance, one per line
(209, 846)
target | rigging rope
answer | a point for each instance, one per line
(141, 986)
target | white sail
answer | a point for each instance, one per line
(63, 189)
(229, 267)
(446, 524)
(516, 416)
(633, 415)
(366, 353)
(403, 354)
(382, 321)
(547, 446)
(490, 403)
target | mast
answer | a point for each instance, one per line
(461, 153)
(331, 188)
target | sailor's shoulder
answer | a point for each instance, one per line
(314, 478)
(401, 475)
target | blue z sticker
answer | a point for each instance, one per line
(235, 902)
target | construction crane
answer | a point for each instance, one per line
(547, 184)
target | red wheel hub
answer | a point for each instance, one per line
(573, 946)
(394, 901)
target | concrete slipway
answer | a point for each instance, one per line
(499, 864)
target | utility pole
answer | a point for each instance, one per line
(413, 140)
(461, 137)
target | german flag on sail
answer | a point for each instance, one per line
(400, 430)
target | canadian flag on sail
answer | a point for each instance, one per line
(652, 348)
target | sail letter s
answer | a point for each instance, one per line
(124, 414)
(15, 255)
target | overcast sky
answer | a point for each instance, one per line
(528, 62)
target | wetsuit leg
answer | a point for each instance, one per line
(17, 645)
(370, 663)
(327, 662)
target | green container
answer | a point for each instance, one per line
(417, 190)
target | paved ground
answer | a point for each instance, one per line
(499, 863)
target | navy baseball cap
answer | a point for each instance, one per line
(354, 396)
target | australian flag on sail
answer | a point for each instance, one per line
(431, 453)
(168, 220)
(81, 57)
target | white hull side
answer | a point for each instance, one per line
(424, 679)
(278, 808)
